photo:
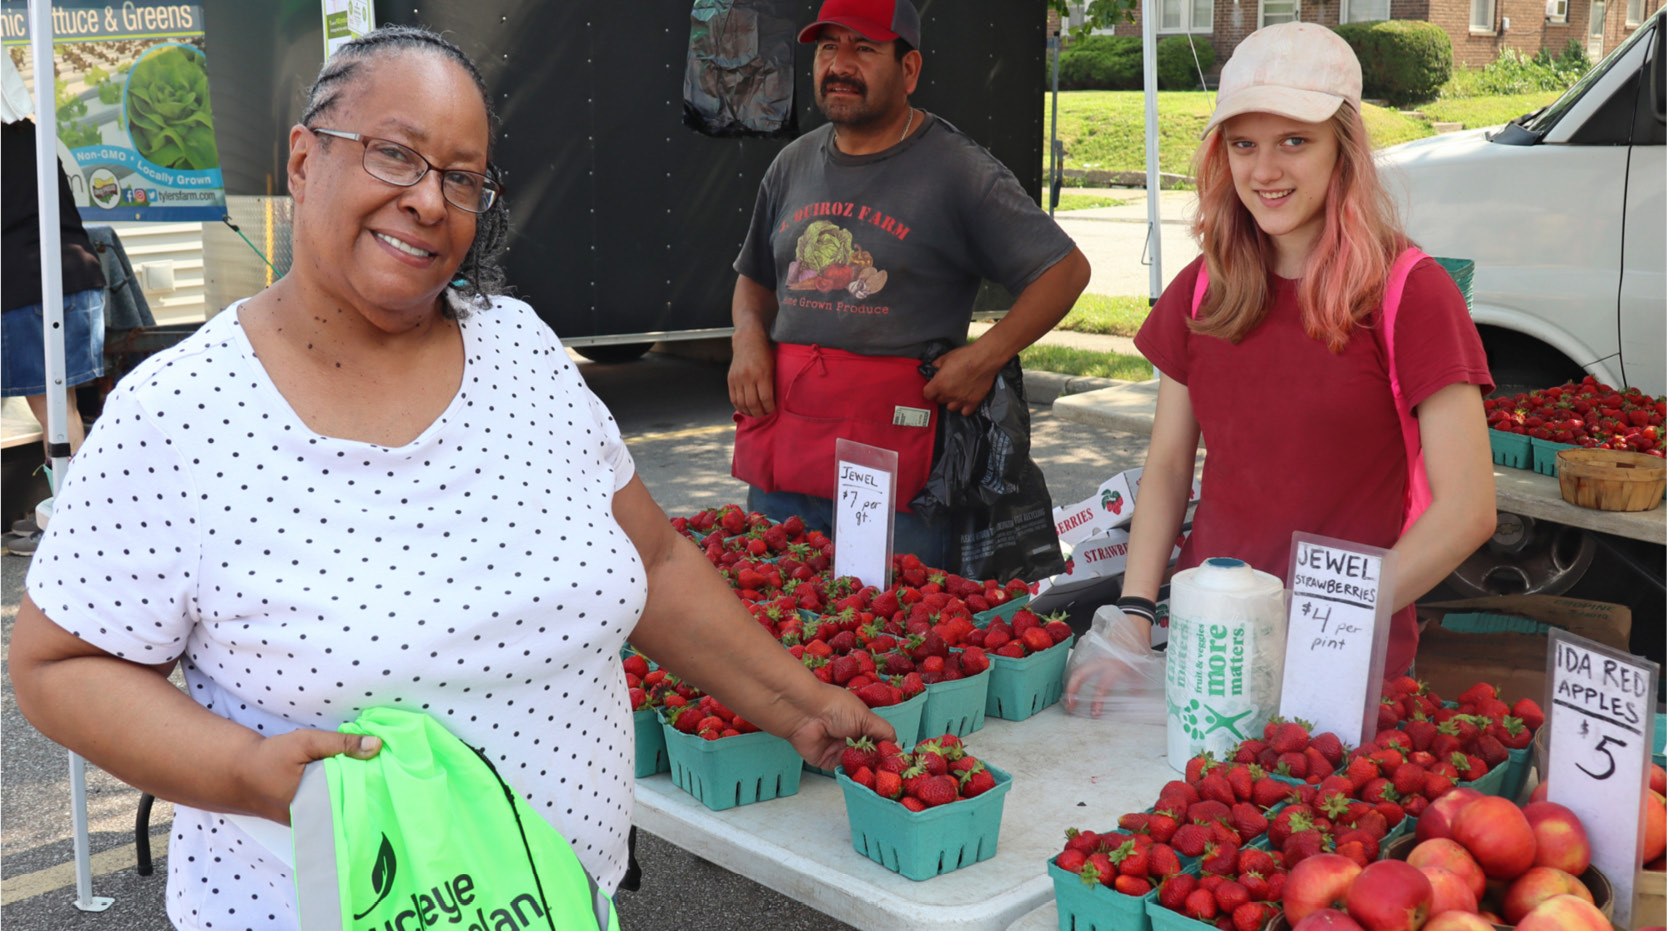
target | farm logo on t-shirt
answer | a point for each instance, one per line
(827, 259)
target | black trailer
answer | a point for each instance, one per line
(626, 218)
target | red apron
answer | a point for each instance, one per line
(825, 395)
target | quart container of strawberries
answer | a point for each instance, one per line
(904, 718)
(1096, 907)
(924, 844)
(733, 771)
(1004, 611)
(651, 743)
(956, 706)
(1022, 686)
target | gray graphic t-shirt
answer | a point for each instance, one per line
(879, 254)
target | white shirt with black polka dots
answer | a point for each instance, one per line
(476, 573)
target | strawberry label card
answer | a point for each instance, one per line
(1337, 635)
(1600, 709)
(864, 511)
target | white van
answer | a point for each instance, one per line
(1564, 211)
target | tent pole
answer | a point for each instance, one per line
(57, 414)
(1149, 65)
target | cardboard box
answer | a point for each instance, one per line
(1452, 661)
(1111, 507)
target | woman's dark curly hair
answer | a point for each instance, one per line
(480, 275)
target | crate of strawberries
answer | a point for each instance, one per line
(923, 812)
(722, 759)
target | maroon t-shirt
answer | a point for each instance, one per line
(1301, 438)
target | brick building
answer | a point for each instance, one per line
(1480, 29)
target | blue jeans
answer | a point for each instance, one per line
(910, 534)
(23, 358)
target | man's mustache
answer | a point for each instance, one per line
(853, 84)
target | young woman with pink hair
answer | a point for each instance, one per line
(1280, 358)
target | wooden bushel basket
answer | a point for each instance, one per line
(1611, 479)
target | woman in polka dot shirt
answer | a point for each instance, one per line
(370, 485)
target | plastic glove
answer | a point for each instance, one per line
(1114, 671)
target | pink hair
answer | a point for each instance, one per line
(1344, 274)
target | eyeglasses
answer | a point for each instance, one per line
(400, 165)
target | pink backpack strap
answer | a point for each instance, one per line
(1418, 495)
(1199, 288)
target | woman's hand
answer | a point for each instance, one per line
(1115, 654)
(821, 738)
(271, 772)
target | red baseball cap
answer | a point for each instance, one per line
(876, 20)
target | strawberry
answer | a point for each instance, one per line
(876, 695)
(1379, 790)
(1290, 737)
(1240, 778)
(1190, 840)
(1491, 750)
(1528, 712)
(977, 782)
(1085, 841)
(1294, 765)
(1304, 844)
(1220, 859)
(1409, 779)
(1215, 786)
(1208, 810)
(1330, 747)
(1318, 766)
(1161, 827)
(1199, 765)
(1099, 869)
(858, 754)
(1247, 750)
(1420, 731)
(1267, 792)
(1511, 732)
(1071, 861)
(1130, 859)
(1254, 860)
(1200, 904)
(887, 784)
(1368, 843)
(1251, 916)
(1247, 821)
(1173, 891)
(1036, 640)
(937, 790)
(1187, 792)
(1477, 692)
(1254, 883)
(1162, 860)
(1229, 896)
(1131, 885)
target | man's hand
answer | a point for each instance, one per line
(752, 376)
(963, 380)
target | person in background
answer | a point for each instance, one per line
(869, 238)
(1282, 364)
(23, 366)
(378, 482)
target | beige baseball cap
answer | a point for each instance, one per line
(1300, 70)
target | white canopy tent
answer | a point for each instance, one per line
(57, 413)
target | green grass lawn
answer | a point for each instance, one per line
(1072, 201)
(1476, 112)
(1105, 130)
(1106, 316)
(1068, 361)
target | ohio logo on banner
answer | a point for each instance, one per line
(135, 133)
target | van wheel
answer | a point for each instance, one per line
(1520, 364)
(1525, 557)
(611, 353)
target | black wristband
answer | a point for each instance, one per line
(1144, 607)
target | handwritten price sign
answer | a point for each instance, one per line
(1601, 715)
(1337, 635)
(864, 511)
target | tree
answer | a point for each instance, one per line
(1098, 14)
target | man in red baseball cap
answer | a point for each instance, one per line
(869, 241)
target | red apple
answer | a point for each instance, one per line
(1495, 832)
(1559, 838)
(1329, 919)
(1390, 895)
(1658, 779)
(1458, 921)
(1537, 885)
(1320, 881)
(1452, 893)
(1540, 793)
(1450, 855)
(1565, 913)
(1437, 820)
(1655, 826)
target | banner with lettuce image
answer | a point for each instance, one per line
(135, 128)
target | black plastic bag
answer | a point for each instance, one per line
(989, 489)
(739, 76)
